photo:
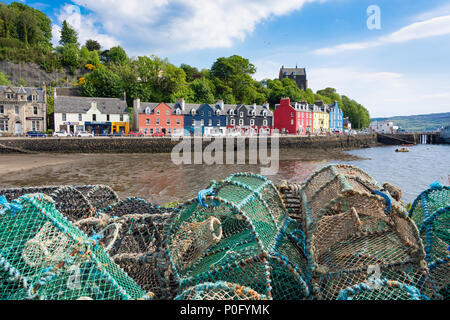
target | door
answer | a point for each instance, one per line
(18, 129)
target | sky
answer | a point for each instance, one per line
(400, 67)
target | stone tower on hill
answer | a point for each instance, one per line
(296, 74)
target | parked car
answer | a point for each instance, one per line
(36, 134)
(178, 134)
(62, 134)
(135, 134)
(158, 134)
(83, 134)
(216, 134)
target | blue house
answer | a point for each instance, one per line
(336, 118)
(202, 119)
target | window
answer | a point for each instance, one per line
(158, 112)
(210, 123)
(148, 111)
(94, 117)
(157, 122)
(168, 122)
(64, 117)
(193, 122)
(16, 109)
(292, 114)
(252, 122)
(292, 122)
(35, 110)
(147, 122)
(2, 109)
(151, 131)
(121, 118)
(4, 125)
(169, 131)
(218, 123)
(265, 123)
(80, 117)
(145, 131)
(107, 117)
(232, 122)
(168, 112)
(178, 122)
(209, 113)
(241, 114)
(241, 122)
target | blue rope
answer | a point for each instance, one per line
(6, 206)
(202, 196)
(386, 197)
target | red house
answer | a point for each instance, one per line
(160, 118)
(293, 118)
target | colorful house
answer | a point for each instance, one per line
(155, 118)
(250, 120)
(96, 115)
(293, 118)
(336, 118)
(321, 117)
(202, 119)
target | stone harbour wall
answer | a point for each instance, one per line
(165, 145)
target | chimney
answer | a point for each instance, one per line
(265, 105)
(182, 103)
(124, 96)
(136, 110)
(285, 101)
(54, 93)
(220, 104)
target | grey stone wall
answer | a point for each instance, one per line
(165, 145)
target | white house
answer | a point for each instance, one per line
(100, 116)
(383, 127)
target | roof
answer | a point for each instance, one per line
(25, 90)
(294, 71)
(83, 104)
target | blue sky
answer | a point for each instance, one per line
(400, 69)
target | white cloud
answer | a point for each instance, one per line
(385, 93)
(158, 25)
(85, 25)
(437, 26)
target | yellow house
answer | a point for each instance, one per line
(321, 118)
(123, 127)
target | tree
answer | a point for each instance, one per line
(29, 31)
(192, 73)
(203, 92)
(4, 79)
(103, 82)
(115, 55)
(7, 22)
(68, 35)
(71, 57)
(93, 45)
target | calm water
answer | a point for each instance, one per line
(413, 172)
(157, 179)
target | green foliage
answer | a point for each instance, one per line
(71, 57)
(93, 45)
(203, 90)
(68, 35)
(4, 79)
(21, 82)
(103, 82)
(115, 55)
(192, 73)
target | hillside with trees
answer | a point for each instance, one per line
(25, 36)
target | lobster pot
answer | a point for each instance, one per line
(134, 242)
(431, 212)
(131, 206)
(99, 196)
(228, 233)
(43, 256)
(75, 203)
(381, 290)
(350, 223)
(220, 290)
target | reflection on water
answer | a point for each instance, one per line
(413, 172)
(156, 179)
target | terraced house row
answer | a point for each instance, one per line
(201, 119)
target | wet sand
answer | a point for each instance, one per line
(149, 176)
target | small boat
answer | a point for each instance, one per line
(402, 150)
